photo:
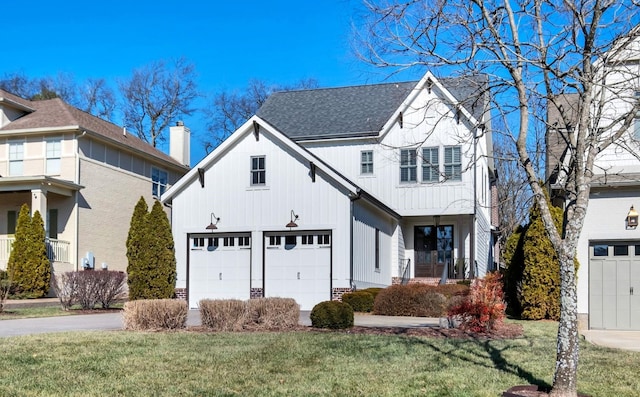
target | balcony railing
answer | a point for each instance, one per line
(57, 250)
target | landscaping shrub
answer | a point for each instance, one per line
(87, 288)
(450, 290)
(5, 288)
(155, 314)
(254, 314)
(151, 257)
(360, 301)
(532, 278)
(332, 314)
(374, 291)
(28, 265)
(484, 307)
(223, 314)
(433, 304)
(417, 300)
(272, 314)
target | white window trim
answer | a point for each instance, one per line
(368, 163)
(17, 161)
(253, 171)
(454, 177)
(160, 186)
(409, 166)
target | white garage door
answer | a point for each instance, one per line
(219, 267)
(298, 266)
(614, 285)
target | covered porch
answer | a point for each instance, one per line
(55, 200)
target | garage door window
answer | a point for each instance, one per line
(307, 240)
(620, 250)
(600, 250)
(244, 241)
(198, 242)
(289, 242)
(323, 239)
(229, 241)
(274, 241)
(212, 243)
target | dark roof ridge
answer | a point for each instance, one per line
(346, 87)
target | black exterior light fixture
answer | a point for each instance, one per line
(212, 226)
(292, 222)
(632, 218)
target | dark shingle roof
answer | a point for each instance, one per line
(53, 113)
(354, 111)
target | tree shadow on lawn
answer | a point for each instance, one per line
(462, 350)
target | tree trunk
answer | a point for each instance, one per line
(565, 378)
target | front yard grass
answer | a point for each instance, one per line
(298, 364)
(14, 313)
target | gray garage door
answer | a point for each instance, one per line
(614, 285)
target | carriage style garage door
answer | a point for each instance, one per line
(298, 265)
(219, 267)
(614, 285)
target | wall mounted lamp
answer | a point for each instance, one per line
(292, 222)
(212, 226)
(632, 218)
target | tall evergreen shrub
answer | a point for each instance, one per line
(28, 266)
(150, 252)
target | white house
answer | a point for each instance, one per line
(609, 246)
(328, 190)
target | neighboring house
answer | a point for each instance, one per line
(83, 174)
(328, 190)
(609, 245)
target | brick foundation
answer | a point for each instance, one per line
(256, 293)
(336, 293)
(181, 293)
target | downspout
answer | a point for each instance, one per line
(77, 204)
(352, 197)
(472, 265)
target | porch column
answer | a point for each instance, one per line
(39, 203)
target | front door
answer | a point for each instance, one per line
(433, 248)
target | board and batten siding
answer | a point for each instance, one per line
(427, 123)
(241, 207)
(367, 222)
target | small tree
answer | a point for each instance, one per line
(135, 248)
(20, 250)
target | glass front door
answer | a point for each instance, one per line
(433, 248)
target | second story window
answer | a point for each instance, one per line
(430, 171)
(452, 163)
(258, 171)
(366, 162)
(159, 181)
(54, 152)
(16, 157)
(408, 168)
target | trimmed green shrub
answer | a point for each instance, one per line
(28, 265)
(332, 314)
(374, 291)
(151, 257)
(155, 314)
(360, 301)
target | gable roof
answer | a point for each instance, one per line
(357, 111)
(249, 127)
(56, 114)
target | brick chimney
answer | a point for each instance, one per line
(179, 143)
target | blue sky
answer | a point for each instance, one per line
(230, 42)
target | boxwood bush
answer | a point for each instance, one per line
(418, 300)
(332, 314)
(360, 301)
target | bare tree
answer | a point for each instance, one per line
(97, 98)
(535, 52)
(156, 95)
(229, 110)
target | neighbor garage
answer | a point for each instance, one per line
(298, 265)
(219, 267)
(614, 285)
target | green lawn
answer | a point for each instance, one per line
(44, 311)
(297, 364)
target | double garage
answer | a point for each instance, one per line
(614, 285)
(293, 265)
